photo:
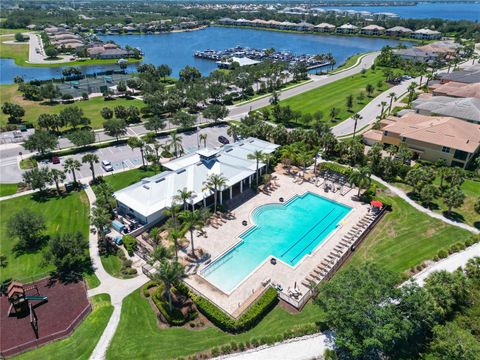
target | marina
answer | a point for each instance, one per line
(250, 56)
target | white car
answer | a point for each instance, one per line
(107, 165)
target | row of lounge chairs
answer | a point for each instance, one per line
(327, 264)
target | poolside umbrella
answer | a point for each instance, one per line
(376, 203)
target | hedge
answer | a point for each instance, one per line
(129, 242)
(175, 317)
(249, 319)
(339, 169)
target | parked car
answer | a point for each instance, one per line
(55, 160)
(222, 139)
(107, 165)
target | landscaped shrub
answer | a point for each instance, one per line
(215, 352)
(343, 170)
(248, 320)
(129, 242)
(175, 318)
(148, 286)
(442, 254)
(226, 349)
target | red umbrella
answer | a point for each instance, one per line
(376, 203)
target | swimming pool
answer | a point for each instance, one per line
(286, 231)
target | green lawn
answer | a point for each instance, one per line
(7, 189)
(91, 108)
(4, 31)
(352, 60)
(112, 264)
(120, 180)
(138, 335)
(465, 213)
(406, 238)
(62, 214)
(326, 97)
(83, 340)
(18, 52)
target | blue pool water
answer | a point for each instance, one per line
(287, 232)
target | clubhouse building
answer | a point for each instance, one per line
(147, 199)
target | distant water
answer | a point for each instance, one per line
(449, 11)
(177, 49)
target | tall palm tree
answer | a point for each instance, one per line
(175, 235)
(176, 143)
(91, 159)
(100, 218)
(104, 191)
(391, 96)
(355, 118)
(57, 176)
(173, 211)
(233, 131)
(215, 182)
(169, 273)
(383, 104)
(257, 155)
(361, 178)
(203, 137)
(71, 165)
(183, 196)
(192, 221)
(303, 157)
(135, 142)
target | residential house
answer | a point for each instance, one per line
(372, 30)
(467, 109)
(347, 29)
(416, 55)
(399, 31)
(426, 34)
(456, 89)
(466, 76)
(431, 138)
(324, 27)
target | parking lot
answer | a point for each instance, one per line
(122, 157)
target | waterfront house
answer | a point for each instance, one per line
(399, 31)
(304, 26)
(467, 109)
(416, 55)
(456, 89)
(287, 25)
(426, 34)
(431, 138)
(147, 199)
(373, 30)
(347, 29)
(324, 27)
(226, 21)
(466, 76)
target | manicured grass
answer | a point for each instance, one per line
(91, 108)
(326, 97)
(406, 237)
(126, 178)
(4, 31)
(83, 340)
(466, 213)
(62, 215)
(7, 189)
(18, 52)
(352, 60)
(91, 280)
(112, 264)
(138, 335)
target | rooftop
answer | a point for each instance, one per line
(457, 89)
(461, 108)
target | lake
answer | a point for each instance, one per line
(177, 49)
(449, 11)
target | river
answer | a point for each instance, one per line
(176, 49)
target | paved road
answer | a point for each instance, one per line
(239, 111)
(35, 57)
(121, 156)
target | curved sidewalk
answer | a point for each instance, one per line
(118, 289)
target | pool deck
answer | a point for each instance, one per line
(222, 239)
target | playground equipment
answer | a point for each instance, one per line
(18, 298)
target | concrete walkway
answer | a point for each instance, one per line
(118, 289)
(420, 208)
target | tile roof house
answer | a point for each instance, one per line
(372, 30)
(398, 31)
(466, 109)
(147, 199)
(466, 76)
(456, 89)
(324, 27)
(426, 34)
(431, 138)
(347, 29)
(416, 55)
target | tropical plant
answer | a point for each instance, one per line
(184, 196)
(175, 235)
(192, 220)
(135, 142)
(169, 273)
(71, 165)
(361, 178)
(453, 198)
(176, 143)
(91, 159)
(203, 137)
(57, 177)
(258, 156)
(215, 182)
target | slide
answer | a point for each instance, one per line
(36, 297)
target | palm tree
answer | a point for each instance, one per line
(135, 142)
(57, 177)
(183, 196)
(176, 143)
(361, 178)
(303, 157)
(268, 159)
(173, 211)
(169, 273)
(104, 191)
(192, 220)
(355, 118)
(383, 104)
(257, 155)
(391, 96)
(91, 159)
(159, 254)
(233, 131)
(100, 218)
(203, 137)
(72, 165)
(215, 182)
(175, 235)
